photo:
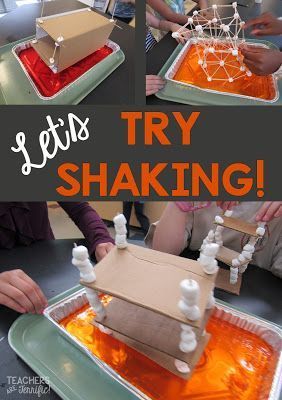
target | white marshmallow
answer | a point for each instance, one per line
(249, 247)
(214, 6)
(235, 262)
(191, 312)
(234, 4)
(186, 328)
(120, 241)
(243, 268)
(235, 52)
(182, 367)
(212, 268)
(260, 231)
(190, 289)
(211, 249)
(187, 336)
(121, 229)
(199, 28)
(210, 235)
(80, 253)
(211, 301)
(119, 220)
(226, 28)
(190, 20)
(188, 347)
(219, 220)
(214, 20)
(195, 13)
(241, 258)
(175, 35)
(247, 255)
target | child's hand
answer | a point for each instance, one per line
(269, 210)
(227, 205)
(184, 33)
(154, 83)
(264, 25)
(102, 249)
(262, 61)
(19, 292)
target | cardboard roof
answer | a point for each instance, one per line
(151, 279)
(74, 24)
(239, 225)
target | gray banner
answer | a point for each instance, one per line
(219, 137)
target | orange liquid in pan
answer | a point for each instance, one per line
(190, 72)
(236, 365)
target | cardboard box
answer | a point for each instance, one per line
(64, 39)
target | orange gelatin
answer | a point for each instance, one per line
(190, 72)
(236, 365)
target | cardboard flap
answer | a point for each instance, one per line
(223, 282)
(151, 279)
(160, 358)
(147, 327)
(239, 225)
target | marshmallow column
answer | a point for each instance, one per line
(207, 258)
(211, 301)
(188, 304)
(81, 261)
(121, 231)
(208, 239)
(188, 342)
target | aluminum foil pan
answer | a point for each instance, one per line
(26, 45)
(265, 330)
(179, 59)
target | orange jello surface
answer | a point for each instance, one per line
(190, 72)
(236, 365)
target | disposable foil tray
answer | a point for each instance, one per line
(17, 87)
(186, 93)
(270, 333)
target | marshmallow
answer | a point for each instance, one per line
(119, 220)
(182, 366)
(242, 68)
(248, 247)
(211, 235)
(80, 253)
(235, 52)
(60, 39)
(200, 62)
(209, 78)
(175, 35)
(120, 241)
(219, 242)
(121, 229)
(236, 15)
(188, 347)
(260, 231)
(195, 13)
(211, 50)
(190, 289)
(241, 258)
(187, 336)
(51, 60)
(226, 28)
(230, 80)
(211, 249)
(199, 28)
(235, 262)
(247, 255)
(191, 312)
(190, 20)
(212, 268)
(221, 63)
(205, 260)
(234, 4)
(211, 301)
(219, 220)
(248, 73)
(214, 6)
(214, 20)
(243, 268)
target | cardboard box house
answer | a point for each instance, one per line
(64, 39)
(154, 300)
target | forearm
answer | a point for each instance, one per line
(170, 231)
(166, 12)
(89, 222)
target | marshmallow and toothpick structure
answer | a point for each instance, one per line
(217, 42)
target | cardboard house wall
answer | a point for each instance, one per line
(64, 39)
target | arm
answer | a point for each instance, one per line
(276, 262)
(90, 224)
(166, 12)
(169, 236)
